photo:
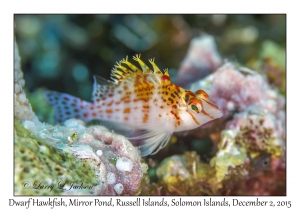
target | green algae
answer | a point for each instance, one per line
(229, 155)
(113, 160)
(38, 165)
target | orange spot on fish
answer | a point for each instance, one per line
(110, 103)
(85, 114)
(175, 115)
(145, 118)
(211, 104)
(193, 118)
(206, 114)
(109, 111)
(126, 110)
(94, 114)
(126, 118)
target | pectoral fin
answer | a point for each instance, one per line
(153, 141)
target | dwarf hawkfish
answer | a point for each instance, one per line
(141, 99)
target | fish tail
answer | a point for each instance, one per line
(67, 106)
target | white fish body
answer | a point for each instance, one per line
(141, 99)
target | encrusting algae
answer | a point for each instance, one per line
(141, 99)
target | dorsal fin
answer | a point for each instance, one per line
(120, 73)
(102, 81)
(145, 68)
(155, 68)
(101, 88)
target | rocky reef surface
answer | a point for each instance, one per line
(247, 155)
(72, 158)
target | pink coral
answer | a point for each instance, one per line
(119, 159)
(257, 126)
(235, 89)
(202, 58)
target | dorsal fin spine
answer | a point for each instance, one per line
(144, 67)
(133, 67)
(155, 68)
(121, 72)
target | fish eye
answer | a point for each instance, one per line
(195, 105)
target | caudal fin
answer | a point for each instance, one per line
(67, 106)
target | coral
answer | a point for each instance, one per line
(233, 89)
(228, 155)
(268, 182)
(23, 110)
(202, 58)
(235, 164)
(89, 160)
(38, 164)
(257, 130)
(113, 159)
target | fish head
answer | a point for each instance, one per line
(198, 110)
